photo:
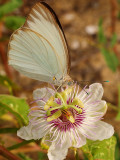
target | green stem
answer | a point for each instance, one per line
(19, 145)
(119, 96)
(8, 130)
(113, 107)
(118, 115)
(76, 156)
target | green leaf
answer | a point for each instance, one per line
(17, 106)
(103, 150)
(113, 40)
(87, 151)
(85, 158)
(118, 115)
(115, 61)
(111, 59)
(117, 149)
(14, 22)
(100, 22)
(101, 36)
(5, 81)
(118, 1)
(118, 16)
(42, 156)
(23, 156)
(10, 7)
(2, 111)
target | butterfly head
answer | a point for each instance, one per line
(65, 80)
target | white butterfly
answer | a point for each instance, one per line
(38, 49)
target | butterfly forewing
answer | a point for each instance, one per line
(43, 20)
(38, 49)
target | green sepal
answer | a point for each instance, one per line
(43, 144)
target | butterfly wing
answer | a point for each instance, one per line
(38, 49)
(42, 19)
(32, 55)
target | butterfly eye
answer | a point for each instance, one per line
(69, 83)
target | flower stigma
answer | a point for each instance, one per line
(62, 105)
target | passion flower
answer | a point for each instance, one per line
(65, 119)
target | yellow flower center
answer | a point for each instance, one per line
(62, 104)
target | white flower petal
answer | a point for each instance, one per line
(92, 109)
(25, 132)
(95, 93)
(58, 152)
(101, 132)
(102, 107)
(104, 130)
(78, 139)
(42, 93)
(33, 131)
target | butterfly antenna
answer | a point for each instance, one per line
(83, 88)
(89, 81)
(94, 81)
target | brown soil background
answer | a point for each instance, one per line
(87, 62)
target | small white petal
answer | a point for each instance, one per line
(58, 152)
(42, 93)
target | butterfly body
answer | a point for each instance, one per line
(38, 49)
(65, 80)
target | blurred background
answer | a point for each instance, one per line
(92, 30)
